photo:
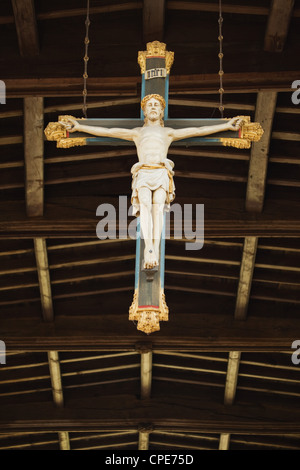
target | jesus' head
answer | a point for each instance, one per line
(153, 107)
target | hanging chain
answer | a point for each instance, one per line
(221, 55)
(86, 58)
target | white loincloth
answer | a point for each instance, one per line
(152, 176)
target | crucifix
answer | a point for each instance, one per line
(153, 188)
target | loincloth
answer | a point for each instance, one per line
(152, 176)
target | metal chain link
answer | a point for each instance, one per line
(221, 55)
(86, 58)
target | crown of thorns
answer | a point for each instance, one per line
(149, 97)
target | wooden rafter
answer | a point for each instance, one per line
(265, 110)
(232, 377)
(230, 390)
(153, 20)
(280, 15)
(146, 386)
(224, 441)
(245, 280)
(26, 26)
(57, 391)
(143, 440)
(41, 256)
(34, 155)
(146, 374)
(55, 375)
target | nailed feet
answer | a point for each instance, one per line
(150, 259)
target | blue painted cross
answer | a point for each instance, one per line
(149, 307)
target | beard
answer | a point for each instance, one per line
(153, 116)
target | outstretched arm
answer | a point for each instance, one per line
(232, 125)
(74, 126)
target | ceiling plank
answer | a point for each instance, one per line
(280, 15)
(294, 136)
(69, 13)
(94, 10)
(213, 7)
(11, 140)
(34, 155)
(153, 20)
(25, 20)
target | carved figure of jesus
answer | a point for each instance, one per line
(152, 177)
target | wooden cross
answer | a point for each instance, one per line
(149, 306)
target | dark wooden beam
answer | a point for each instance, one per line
(280, 15)
(251, 82)
(153, 20)
(86, 228)
(175, 414)
(26, 26)
(66, 86)
(73, 12)
(137, 5)
(186, 331)
(226, 8)
(76, 217)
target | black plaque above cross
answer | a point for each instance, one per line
(149, 306)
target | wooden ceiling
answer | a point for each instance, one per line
(219, 374)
